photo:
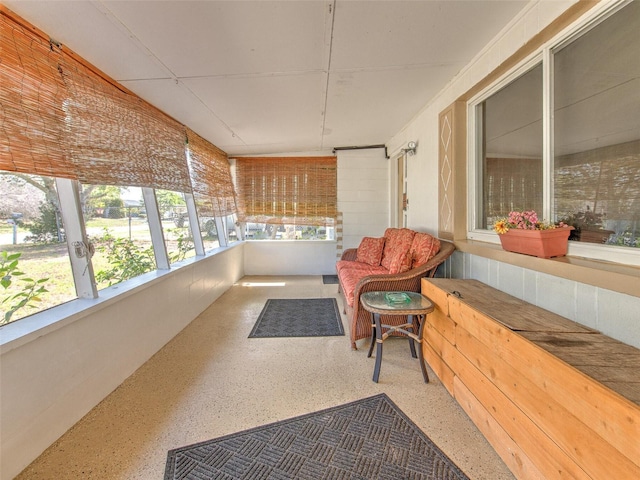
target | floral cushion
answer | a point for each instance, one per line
(397, 240)
(370, 251)
(401, 262)
(423, 248)
(349, 278)
(359, 266)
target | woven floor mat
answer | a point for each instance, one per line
(329, 279)
(298, 317)
(367, 439)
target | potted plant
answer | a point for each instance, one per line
(588, 226)
(523, 232)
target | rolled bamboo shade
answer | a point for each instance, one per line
(287, 190)
(116, 138)
(210, 177)
(31, 97)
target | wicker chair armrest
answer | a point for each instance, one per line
(349, 254)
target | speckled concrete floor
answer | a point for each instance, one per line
(212, 380)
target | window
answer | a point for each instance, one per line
(580, 161)
(31, 228)
(213, 193)
(287, 197)
(512, 148)
(116, 224)
(596, 88)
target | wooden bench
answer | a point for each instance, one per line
(554, 398)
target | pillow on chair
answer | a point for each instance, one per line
(401, 262)
(423, 248)
(370, 251)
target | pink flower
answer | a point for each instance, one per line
(525, 220)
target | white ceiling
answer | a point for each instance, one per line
(258, 77)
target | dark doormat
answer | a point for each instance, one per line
(367, 439)
(298, 317)
(329, 279)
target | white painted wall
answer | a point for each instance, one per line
(56, 374)
(289, 257)
(363, 194)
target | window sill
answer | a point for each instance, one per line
(25, 330)
(610, 276)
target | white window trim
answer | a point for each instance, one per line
(609, 253)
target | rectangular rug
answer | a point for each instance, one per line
(366, 439)
(329, 279)
(298, 317)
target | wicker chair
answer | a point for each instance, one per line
(359, 318)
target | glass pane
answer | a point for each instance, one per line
(178, 237)
(229, 223)
(207, 221)
(116, 223)
(512, 149)
(266, 231)
(597, 131)
(32, 233)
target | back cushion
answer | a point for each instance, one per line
(423, 248)
(389, 236)
(401, 262)
(370, 250)
(397, 240)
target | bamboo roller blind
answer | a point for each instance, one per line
(60, 117)
(116, 138)
(31, 97)
(287, 190)
(210, 177)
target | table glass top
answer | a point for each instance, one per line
(396, 301)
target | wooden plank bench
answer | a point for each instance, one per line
(554, 398)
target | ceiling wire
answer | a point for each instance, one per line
(332, 12)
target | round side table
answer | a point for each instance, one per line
(412, 305)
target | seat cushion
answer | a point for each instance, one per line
(350, 275)
(423, 248)
(397, 239)
(370, 250)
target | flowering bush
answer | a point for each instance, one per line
(527, 220)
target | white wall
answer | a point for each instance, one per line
(289, 257)
(363, 194)
(55, 375)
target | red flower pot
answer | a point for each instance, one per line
(539, 243)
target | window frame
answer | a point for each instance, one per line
(544, 54)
